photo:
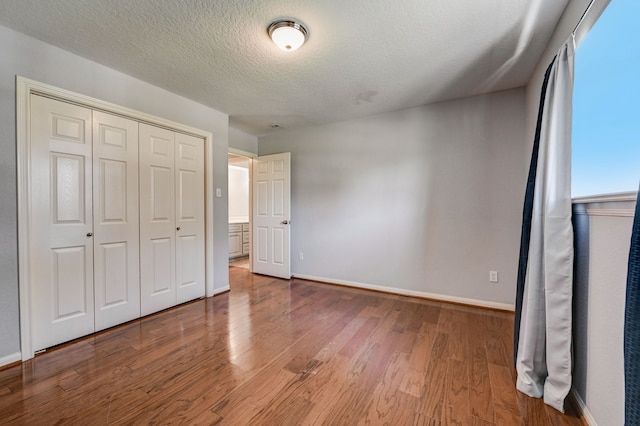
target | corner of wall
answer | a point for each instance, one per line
(243, 141)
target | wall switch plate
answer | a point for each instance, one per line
(218, 192)
(493, 276)
(301, 256)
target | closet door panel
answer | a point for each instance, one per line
(115, 288)
(68, 283)
(116, 220)
(189, 177)
(162, 257)
(61, 222)
(157, 219)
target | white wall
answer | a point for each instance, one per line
(603, 236)
(31, 58)
(426, 199)
(238, 193)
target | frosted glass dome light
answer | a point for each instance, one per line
(288, 35)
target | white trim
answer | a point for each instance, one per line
(24, 214)
(582, 408)
(24, 88)
(218, 291)
(582, 209)
(251, 157)
(251, 161)
(10, 359)
(209, 198)
(412, 293)
(242, 153)
(606, 198)
(608, 212)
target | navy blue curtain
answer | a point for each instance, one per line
(527, 211)
(632, 329)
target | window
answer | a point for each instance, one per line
(606, 104)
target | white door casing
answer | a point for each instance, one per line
(116, 221)
(189, 184)
(157, 219)
(271, 182)
(62, 302)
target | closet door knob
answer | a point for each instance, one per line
(89, 234)
(178, 228)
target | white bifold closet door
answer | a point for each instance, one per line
(84, 221)
(115, 220)
(61, 222)
(189, 182)
(171, 218)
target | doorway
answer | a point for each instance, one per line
(239, 190)
(260, 233)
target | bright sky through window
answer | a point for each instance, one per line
(606, 104)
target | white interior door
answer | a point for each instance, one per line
(189, 184)
(61, 260)
(271, 215)
(157, 219)
(116, 223)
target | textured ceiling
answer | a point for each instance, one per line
(362, 57)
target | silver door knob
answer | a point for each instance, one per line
(89, 234)
(284, 222)
(178, 228)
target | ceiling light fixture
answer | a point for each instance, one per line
(288, 35)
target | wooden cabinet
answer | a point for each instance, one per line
(235, 240)
(238, 240)
(245, 239)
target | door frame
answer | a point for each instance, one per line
(24, 89)
(250, 156)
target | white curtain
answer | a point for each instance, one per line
(543, 341)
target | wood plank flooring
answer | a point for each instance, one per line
(278, 352)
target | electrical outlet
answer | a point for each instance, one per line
(301, 256)
(493, 276)
(218, 192)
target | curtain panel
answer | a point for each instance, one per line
(542, 335)
(632, 329)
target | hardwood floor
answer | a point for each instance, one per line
(277, 352)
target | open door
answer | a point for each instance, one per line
(271, 182)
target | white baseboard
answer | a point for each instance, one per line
(217, 291)
(413, 293)
(10, 359)
(582, 407)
